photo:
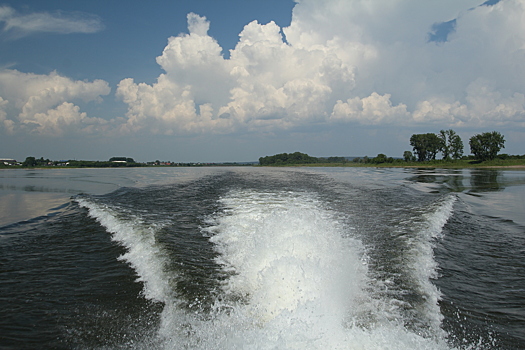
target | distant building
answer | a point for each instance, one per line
(7, 161)
(121, 160)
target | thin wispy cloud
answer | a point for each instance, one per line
(18, 25)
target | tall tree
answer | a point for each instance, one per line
(408, 156)
(451, 144)
(30, 161)
(486, 146)
(456, 145)
(426, 146)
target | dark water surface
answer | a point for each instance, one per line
(262, 258)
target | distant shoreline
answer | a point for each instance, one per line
(411, 166)
(422, 166)
(437, 164)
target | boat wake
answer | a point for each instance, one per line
(293, 275)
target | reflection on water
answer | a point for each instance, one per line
(20, 206)
(487, 180)
(25, 194)
(490, 192)
(473, 180)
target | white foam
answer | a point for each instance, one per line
(285, 252)
(297, 280)
(143, 253)
(423, 265)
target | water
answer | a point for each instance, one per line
(262, 258)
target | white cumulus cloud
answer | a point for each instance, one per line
(63, 118)
(375, 109)
(6, 123)
(41, 103)
(341, 61)
(265, 84)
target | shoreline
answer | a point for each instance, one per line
(330, 165)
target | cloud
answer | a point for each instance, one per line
(198, 25)
(265, 84)
(19, 25)
(65, 117)
(342, 62)
(41, 103)
(375, 109)
(484, 107)
(3, 113)
(6, 123)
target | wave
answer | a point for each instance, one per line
(421, 263)
(294, 276)
(144, 254)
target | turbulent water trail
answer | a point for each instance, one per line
(258, 258)
(422, 264)
(144, 254)
(293, 276)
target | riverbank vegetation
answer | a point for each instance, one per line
(115, 162)
(502, 160)
(426, 147)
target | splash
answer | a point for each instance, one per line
(295, 278)
(144, 254)
(422, 264)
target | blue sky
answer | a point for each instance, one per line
(231, 80)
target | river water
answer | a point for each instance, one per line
(262, 258)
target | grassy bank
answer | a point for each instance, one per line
(455, 164)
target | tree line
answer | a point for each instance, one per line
(426, 147)
(298, 158)
(288, 159)
(114, 162)
(484, 146)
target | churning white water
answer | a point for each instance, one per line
(297, 278)
(144, 254)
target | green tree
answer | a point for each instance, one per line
(29, 162)
(456, 147)
(288, 158)
(486, 146)
(334, 160)
(42, 161)
(452, 146)
(426, 146)
(381, 158)
(409, 157)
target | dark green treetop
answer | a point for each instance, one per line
(486, 146)
(426, 146)
(452, 146)
(288, 158)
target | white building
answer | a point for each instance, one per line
(7, 161)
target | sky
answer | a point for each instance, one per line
(235, 80)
